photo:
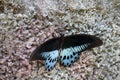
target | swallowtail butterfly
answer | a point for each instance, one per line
(66, 50)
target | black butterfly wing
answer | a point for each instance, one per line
(73, 45)
(48, 51)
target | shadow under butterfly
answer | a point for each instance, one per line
(64, 49)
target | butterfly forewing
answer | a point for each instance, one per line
(73, 45)
(45, 50)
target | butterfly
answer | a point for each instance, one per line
(66, 50)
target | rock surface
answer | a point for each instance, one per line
(25, 24)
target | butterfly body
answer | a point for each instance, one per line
(65, 49)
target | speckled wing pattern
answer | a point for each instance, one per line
(71, 46)
(51, 59)
(71, 54)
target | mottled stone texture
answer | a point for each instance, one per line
(25, 24)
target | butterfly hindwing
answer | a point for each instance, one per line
(71, 54)
(51, 60)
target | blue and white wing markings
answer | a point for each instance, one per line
(71, 54)
(44, 54)
(70, 49)
(51, 59)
